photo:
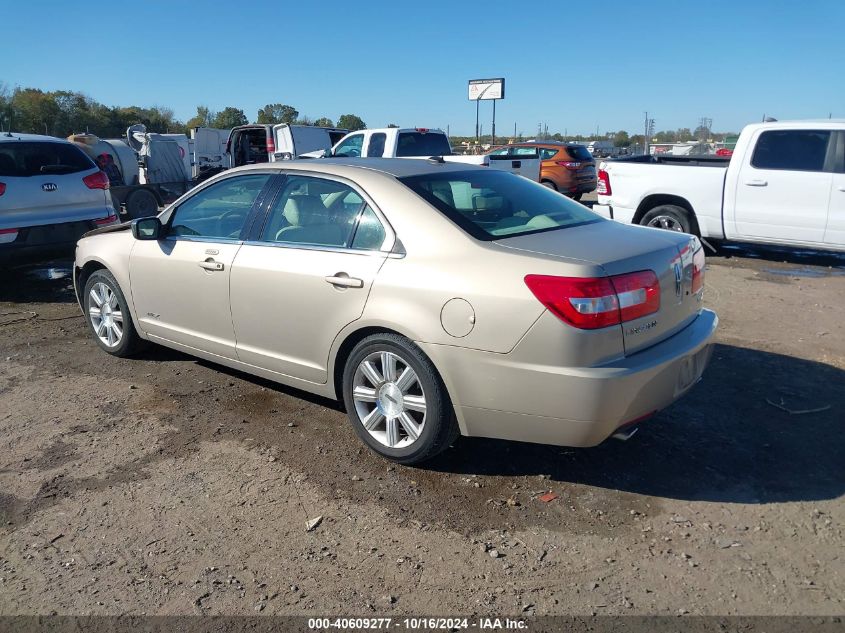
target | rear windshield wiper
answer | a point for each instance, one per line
(58, 169)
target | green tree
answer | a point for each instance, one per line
(229, 117)
(391, 125)
(203, 118)
(351, 122)
(34, 111)
(277, 113)
(621, 139)
(324, 122)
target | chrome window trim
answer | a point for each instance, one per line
(327, 249)
(201, 238)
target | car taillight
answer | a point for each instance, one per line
(638, 293)
(569, 164)
(111, 219)
(2, 188)
(98, 180)
(697, 270)
(422, 130)
(603, 184)
(7, 236)
(590, 303)
(271, 146)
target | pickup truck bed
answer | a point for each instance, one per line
(783, 185)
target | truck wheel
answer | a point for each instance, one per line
(669, 217)
(141, 204)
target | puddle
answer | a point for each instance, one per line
(48, 274)
(805, 272)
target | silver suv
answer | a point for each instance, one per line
(50, 194)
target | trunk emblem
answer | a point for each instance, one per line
(49, 186)
(679, 278)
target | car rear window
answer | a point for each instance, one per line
(490, 204)
(579, 152)
(26, 158)
(422, 144)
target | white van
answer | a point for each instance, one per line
(258, 143)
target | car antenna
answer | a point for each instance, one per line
(438, 160)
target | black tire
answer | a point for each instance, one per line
(440, 428)
(141, 204)
(549, 184)
(577, 197)
(129, 343)
(670, 217)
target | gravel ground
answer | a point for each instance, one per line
(167, 485)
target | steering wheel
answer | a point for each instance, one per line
(238, 214)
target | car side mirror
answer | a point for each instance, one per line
(147, 229)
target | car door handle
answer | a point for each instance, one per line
(345, 281)
(756, 183)
(210, 264)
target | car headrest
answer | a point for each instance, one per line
(305, 211)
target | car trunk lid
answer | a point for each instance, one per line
(619, 249)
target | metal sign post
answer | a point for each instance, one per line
(483, 90)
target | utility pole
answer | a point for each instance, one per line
(647, 133)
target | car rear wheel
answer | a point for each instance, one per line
(141, 204)
(396, 400)
(576, 197)
(669, 217)
(549, 184)
(108, 316)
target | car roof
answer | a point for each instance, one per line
(397, 167)
(6, 137)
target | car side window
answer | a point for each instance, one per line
(351, 147)
(219, 210)
(524, 151)
(376, 146)
(794, 150)
(547, 154)
(500, 152)
(369, 235)
(313, 211)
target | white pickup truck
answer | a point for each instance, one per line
(784, 184)
(392, 142)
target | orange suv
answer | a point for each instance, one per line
(565, 167)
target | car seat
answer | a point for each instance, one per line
(308, 223)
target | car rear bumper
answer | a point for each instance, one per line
(35, 242)
(505, 397)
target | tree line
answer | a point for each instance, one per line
(63, 112)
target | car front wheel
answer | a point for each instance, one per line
(396, 400)
(108, 315)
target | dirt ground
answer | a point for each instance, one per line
(168, 485)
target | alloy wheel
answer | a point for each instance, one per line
(666, 222)
(105, 314)
(389, 399)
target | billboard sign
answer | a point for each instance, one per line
(480, 89)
